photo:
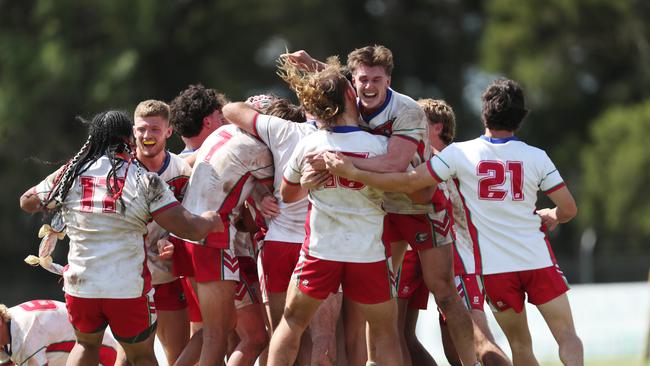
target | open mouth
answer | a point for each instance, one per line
(148, 142)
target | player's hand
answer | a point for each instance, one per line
(215, 221)
(269, 207)
(314, 179)
(549, 218)
(165, 249)
(303, 60)
(315, 161)
(339, 164)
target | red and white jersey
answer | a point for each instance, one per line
(107, 252)
(42, 335)
(176, 173)
(222, 176)
(498, 181)
(403, 117)
(282, 136)
(345, 221)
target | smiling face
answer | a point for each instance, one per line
(151, 134)
(371, 84)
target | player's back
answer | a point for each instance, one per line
(498, 180)
(346, 217)
(282, 136)
(222, 176)
(106, 256)
(42, 335)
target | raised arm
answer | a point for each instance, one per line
(29, 202)
(241, 115)
(184, 224)
(407, 182)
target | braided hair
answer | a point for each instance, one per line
(110, 134)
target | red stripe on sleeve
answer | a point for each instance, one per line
(408, 138)
(165, 208)
(255, 133)
(557, 187)
(290, 182)
(433, 172)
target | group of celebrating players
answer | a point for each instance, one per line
(279, 222)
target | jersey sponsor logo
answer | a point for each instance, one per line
(305, 283)
(421, 237)
(384, 129)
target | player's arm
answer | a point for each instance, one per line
(565, 208)
(184, 224)
(304, 60)
(292, 192)
(241, 115)
(423, 196)
(397, 158)
(29, 201)
(407, 182)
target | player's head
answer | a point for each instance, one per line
(504, 106)
(325, 94)
(110, 134)
(441, 118)
(283, 108)
(5, 317)
(195, 108)
(371, 68)
(151, 127)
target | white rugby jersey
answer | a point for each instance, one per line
(106, 258)
(42, 335)
(175, 171)
(498, 181)
(282, 136)
(345, 221)
(222, 177)
(402, 116)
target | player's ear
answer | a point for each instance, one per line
(388, 81)
(169, 131)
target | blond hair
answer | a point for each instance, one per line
(4, 313)
(321, 93)
(376, 55)
(152, 108)
(438, 111)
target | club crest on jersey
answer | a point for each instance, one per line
(385, 129)
(421, 237)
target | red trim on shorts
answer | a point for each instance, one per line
(305, 244)
(225, 137)
(407, 138)
(557, 187)
(432, 172)
(473, 233)
(289, 182)
(165, 208)
(146, 275)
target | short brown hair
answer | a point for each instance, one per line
(284, 109)
(438, 111)
(4, 313)
(152, 108)
(376, 55)
(504, 105)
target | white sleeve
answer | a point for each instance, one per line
(159, 196)
(550, 179)
(266, 128)
(293, 170)
(442, 165)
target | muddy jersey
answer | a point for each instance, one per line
(282, 136)
(176, 173)
(42, 335)
(223, 175)
(345, 220)
(403, 117)
(498, 181)
(106, 258)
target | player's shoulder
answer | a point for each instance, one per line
(403, 100)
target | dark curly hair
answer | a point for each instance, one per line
(504, 105)
(192, 105)
(283, 108)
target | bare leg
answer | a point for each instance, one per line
(354, 326)
(173, 332)
(489, 352)
(437, 270)
(252, 336)
(557, 314)
(323, 331)
(419, 354)
(382, 325)
(285, 342)
(141, 353)
(218, 311)
(515, 327)
(86, 349)
(402, 305)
